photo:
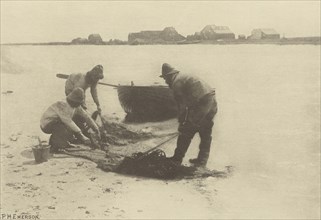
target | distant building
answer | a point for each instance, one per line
(264, 33)
(213, 32)
(242, 37)
(169, 34)
(92, 39)
(80, 40)
(194, 37)
(95, 39)
(116, 42)
(144, 35)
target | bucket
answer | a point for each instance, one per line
(41, 153)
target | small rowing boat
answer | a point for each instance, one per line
(147, 102)
(143, 103)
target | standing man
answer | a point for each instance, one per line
(196, 110)
(58, 120)
(84, 81)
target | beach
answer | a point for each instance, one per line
(267, 128)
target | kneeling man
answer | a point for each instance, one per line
(57, 120)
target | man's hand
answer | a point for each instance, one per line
(95, 132)
(183, 115)
(86, 141)
(187, 127)
(83, 138)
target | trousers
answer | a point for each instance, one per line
(60, 135)
(204, 128)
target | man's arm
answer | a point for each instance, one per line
(69, 123)
(179, 96)
(94, 94)
(181, 110)
(73, 127)
(82, 113)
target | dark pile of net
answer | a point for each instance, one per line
(156, 165)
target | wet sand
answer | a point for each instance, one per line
(267, 128)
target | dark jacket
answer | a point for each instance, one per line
(193, 94)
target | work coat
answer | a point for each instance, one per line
(195, 98)
(79, 80)
(61, 111)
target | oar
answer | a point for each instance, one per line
(65, 76)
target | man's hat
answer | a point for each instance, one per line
(96, 72)
(167, 70)
(77, 95)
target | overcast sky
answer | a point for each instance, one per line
(47, 21)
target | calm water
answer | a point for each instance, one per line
(268, 125)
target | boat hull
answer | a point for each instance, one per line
(147, 102)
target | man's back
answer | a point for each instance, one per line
(75, 80)
(189, 89)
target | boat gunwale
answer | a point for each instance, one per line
(126, 86)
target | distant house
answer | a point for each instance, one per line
(213, 32)
(95, 39)
(264, 33)
(144, 35)
(242, 37)
(79, 40)
(169, 34)
(194, 37)
(92, 39)
(116, 42)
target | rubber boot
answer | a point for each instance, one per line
(205, 133)
(57, 142)
(183, 142)
(54, 146)
(194, 161)
(59, 138)
(204, 152)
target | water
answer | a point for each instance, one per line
(268, 125)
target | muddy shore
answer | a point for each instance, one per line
(267, 128)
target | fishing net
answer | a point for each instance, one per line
(114, 153)
(154, 164)
(116, 134)
(151, 165)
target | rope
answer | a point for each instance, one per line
(159, 145)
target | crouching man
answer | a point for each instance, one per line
(57, 120)
(197, 107)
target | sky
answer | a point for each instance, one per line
(61, 21)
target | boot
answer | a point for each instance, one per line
(54, 144)
(59, 138)
(183, 143)
(204, 152)
(176, 160)
(194, 161)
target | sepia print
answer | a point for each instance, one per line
(160, 109)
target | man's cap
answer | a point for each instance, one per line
(96, 72)
(77, 95)
(167, 70)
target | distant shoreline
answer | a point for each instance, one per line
(284, 41)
